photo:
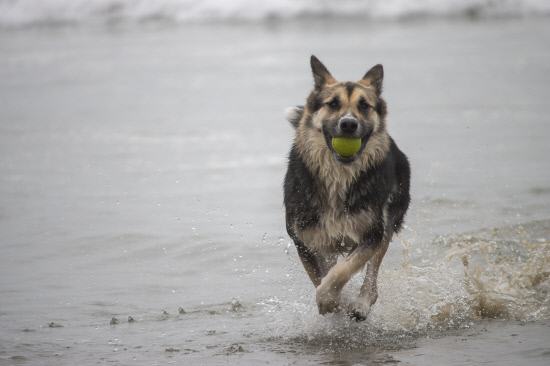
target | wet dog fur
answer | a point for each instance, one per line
(344, 205)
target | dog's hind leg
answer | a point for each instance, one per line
(360, 308)
(330, 289)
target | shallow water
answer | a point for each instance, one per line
(142, 173)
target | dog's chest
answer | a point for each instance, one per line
(336, 227)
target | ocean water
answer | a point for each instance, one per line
(141, 168)
(24, 13)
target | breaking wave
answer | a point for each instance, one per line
(24, 13)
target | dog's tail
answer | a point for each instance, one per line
(294, 115)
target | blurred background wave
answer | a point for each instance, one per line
(25, 13)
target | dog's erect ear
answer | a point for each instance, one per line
(294, 115)
(320, 73)
(373, 78)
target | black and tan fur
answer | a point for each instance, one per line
(338, 205)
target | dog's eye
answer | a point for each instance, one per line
(333, 104)
(363, 105)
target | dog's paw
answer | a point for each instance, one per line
(328, 300)
(359, 310)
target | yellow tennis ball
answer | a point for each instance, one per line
(346, 147)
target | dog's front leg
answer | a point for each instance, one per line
(330, 289)
(315, 264)
(360, 308)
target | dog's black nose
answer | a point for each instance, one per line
(348, 125)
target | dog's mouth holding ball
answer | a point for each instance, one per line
(344, 148)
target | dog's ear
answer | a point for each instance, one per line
(320, 73)
(373, 78)
(294, 115)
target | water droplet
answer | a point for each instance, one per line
(287, 249)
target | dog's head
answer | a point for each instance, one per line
(341, 109)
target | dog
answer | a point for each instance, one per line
(348, 205)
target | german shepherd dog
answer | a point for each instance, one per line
(344, 205)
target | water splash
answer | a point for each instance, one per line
(492, 273)
(505, 277)
(449, 283)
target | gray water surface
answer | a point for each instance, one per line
(141, 172)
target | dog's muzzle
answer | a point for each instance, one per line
(348, 126)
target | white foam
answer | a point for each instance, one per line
(20, 13)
